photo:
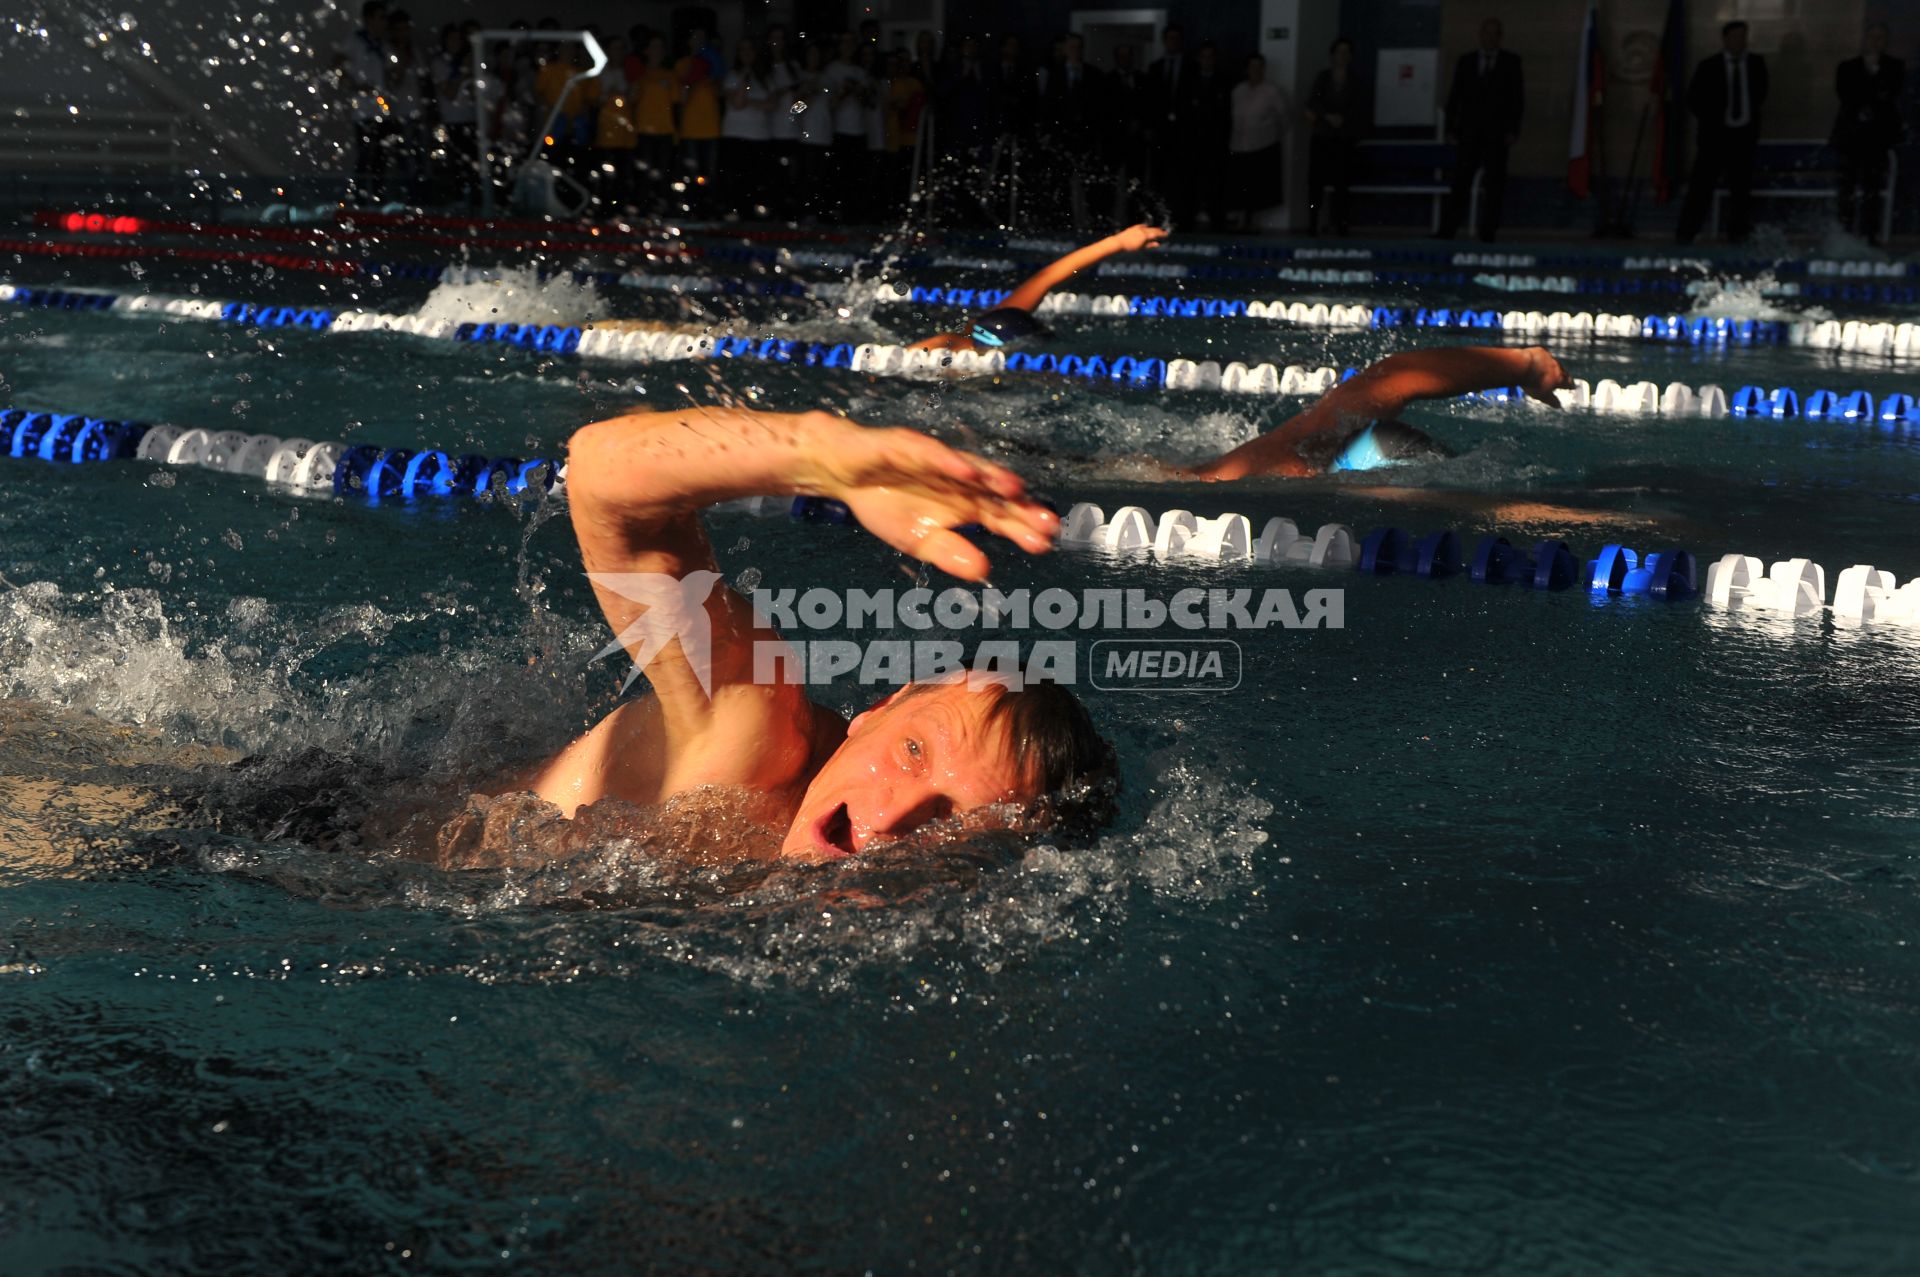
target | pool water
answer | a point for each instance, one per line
(1498, 931)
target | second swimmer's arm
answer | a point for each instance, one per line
(1031, 293)
(1379, 393)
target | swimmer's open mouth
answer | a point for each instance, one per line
(835, 831)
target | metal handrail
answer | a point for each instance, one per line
(480, 41)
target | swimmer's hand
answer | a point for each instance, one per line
(911, 491)
(1543, 375)
(1135, 238)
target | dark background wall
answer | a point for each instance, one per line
(262, 87)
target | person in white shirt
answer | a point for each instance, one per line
(783, 125)
(1255, 146)
(815, 194)
(360, 67)
(460, 106)
(745, 130)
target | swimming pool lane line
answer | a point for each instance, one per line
(123, 252)
(735, 240)
(1884, 338)
(299, 466)
(1668, 327)
(1791, 588)
(1897, 411)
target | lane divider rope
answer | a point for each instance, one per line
(301, 467)
(1792, 587)
(1897, 411)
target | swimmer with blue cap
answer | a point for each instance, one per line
(1011, 325)
(1355, 426)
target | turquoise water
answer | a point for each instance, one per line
(1496, 932)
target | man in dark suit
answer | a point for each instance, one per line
(1725, 95)
(1128, 128)
(1483, 120)
(1014, 97)
(1867, 127)
(965, 97)
(1075, 99)
(1207, 130)
(1169, 98)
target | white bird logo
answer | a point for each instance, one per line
(675, 608)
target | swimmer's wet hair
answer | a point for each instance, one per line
(1054, 739)
(1055, 742)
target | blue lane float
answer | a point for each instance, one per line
(1665, 574)
(1548, 565)
(1781, 404)
(1386, 551)
(68, 438)
(1137, 372)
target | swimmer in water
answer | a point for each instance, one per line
(1012, 322)
(1355, 425)
(1005, 327)
(636, 486)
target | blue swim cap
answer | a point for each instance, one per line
(1362, 453)
(1387, 443)
(1007, 326)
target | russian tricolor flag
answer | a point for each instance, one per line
(1589, 81)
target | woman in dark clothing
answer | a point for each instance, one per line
(1335, 109)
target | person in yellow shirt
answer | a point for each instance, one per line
(614, 138)
(655, 90)
(574, 125)
(699, 74)
(906, 98)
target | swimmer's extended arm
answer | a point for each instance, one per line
(1380, 392)
(635, 488)
(1043, 281)
(637, 483)
(1035, 289)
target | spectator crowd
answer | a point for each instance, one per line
(843, 129)
(831, 129)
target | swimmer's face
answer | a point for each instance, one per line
(920, 755)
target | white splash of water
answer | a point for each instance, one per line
(514, 295)
(1839, 244)
(1733, 298)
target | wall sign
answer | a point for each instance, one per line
(1404, 87)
